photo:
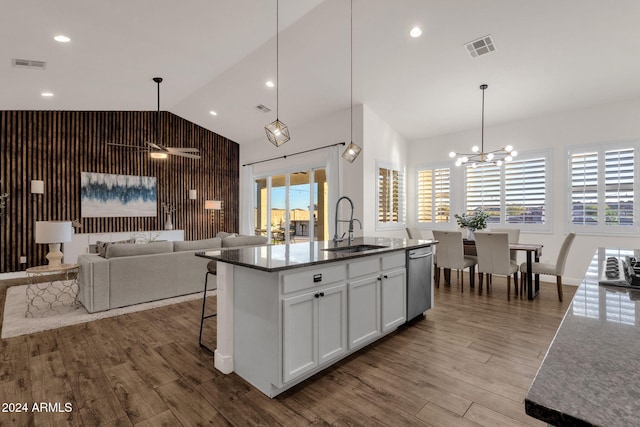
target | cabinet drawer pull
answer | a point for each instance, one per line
(379, 278)
(317, 295)
(321, 294)
(385, 276)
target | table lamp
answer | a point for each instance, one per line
(212, 205)
(53, 233)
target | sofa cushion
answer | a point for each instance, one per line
(232, 242)
(132, 249)
(224, 235)
(101, 247)
(193, 245)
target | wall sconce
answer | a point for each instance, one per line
(193, 194)
(213, 206)
(37, 186)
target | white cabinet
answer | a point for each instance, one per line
(377, 297)
(393, 298)
(314, 329)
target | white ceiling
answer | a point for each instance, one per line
(216, 55)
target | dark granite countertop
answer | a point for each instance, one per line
(296, 255)
(590, 375)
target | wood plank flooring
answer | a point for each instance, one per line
(468, 363)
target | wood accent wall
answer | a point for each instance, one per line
(55, 146)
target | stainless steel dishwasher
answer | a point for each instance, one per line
(419, 281)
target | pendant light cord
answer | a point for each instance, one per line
(351, 55)
(277, 62)
(483, 87)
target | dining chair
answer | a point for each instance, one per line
(550, 269)
(414, 233)
(451, 256)
(514, 237)
(494, 258)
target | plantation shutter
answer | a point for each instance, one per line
(425, 195)
(442, 188)
(618, 183)
(584, 188)
(525, 191)
(483, 190)
(391, 203)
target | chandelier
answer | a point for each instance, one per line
(277, 131)
(478, 155)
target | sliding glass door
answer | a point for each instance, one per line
(292, 207)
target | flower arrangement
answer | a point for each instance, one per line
(477, 221)
(169, 207)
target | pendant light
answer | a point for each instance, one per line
(353, 150)
(277, 132)
(478, 155)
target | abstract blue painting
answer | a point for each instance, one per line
(108, 195)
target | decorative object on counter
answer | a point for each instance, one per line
(277, 132)
(476, 221)
(53, 233)
(478, 155)
(76, 224)
(353, 150)
(3, 202)
(37, 186)
(168, 208)
(141, 237)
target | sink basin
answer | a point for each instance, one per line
(356, 248)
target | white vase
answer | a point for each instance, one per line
(168, 225)
(470, 234)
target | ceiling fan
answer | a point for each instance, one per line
(155, 149)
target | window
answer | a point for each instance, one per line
(602, 188)
(390, 196)
(433, 186)
(291, 206)
(515, 193)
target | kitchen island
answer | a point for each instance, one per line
(590, 375)
(286, 312)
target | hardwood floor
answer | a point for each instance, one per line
(470, 362)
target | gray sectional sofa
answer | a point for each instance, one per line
(135, 273)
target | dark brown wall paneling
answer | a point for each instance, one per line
(55, 146)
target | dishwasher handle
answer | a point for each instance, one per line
(420, 254)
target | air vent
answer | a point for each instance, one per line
(29, 63)
(263, 108)
(480, 47)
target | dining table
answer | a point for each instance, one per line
(533, 253)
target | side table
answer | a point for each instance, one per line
(55, 296)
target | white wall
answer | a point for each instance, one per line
(603, 124)
(381, 142)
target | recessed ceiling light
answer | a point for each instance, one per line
(269, 83)
(415, 32)
(62, 39)
(213, 113)
(46, 94)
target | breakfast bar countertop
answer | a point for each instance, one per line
(590, 375)
(296, 255)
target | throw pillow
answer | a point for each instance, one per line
(101, 247)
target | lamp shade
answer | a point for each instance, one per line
(193, 194)
(53, 231)
(351, 152)
(213, 204)
(37, 186)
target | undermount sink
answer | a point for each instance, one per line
(355, 248)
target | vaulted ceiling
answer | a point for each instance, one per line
(216, 55)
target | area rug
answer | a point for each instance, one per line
(15, 323)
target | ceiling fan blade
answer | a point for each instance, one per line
(126, 145)
(182, 150)
(188, 155)
(155, 146)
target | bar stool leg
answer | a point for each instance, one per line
(204, 303)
